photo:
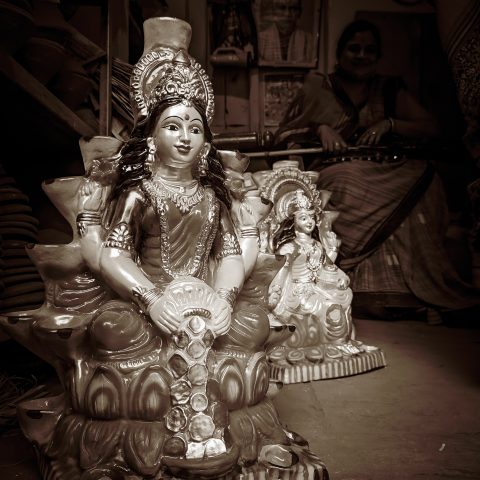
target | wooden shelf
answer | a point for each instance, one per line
(27, 82)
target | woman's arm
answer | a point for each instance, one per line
(411, 119)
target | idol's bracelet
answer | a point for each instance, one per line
(228, 294)
(145, 297)
(86, 219)
(249, 232)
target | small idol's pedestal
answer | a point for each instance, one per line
(315, 363)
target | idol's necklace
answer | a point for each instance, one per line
(183, 196)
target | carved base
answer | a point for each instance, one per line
(309, 467)
(124, 449)
(306, 371)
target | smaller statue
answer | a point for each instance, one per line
(310, 291)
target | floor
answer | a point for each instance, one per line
(418, 418)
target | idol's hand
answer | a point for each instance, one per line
(164, 315)
(91, 196)
(220, 324)
(374, 134)
(249, 211)
(331, 140)
(343, 282)
(274, 295)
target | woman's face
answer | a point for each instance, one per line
(179, 136)
(304, 223)
(359, 57)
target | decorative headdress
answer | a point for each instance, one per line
(167, 70)
(295, 203)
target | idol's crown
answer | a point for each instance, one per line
(180, 80)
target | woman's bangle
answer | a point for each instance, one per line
(392, 124)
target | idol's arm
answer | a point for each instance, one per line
(250, 250)
(91, 204)
(121, 273)
(124, 276)
(230, 273)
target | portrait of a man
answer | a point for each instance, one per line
(281, 37)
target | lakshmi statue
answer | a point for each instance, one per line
(309, 291)
(161, 373)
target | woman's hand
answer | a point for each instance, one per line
(331, 140)
(374, 134)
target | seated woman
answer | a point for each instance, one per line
(392, 213)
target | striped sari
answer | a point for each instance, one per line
(393, 215)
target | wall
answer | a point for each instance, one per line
(340, 12)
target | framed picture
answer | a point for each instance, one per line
(277, 90)
(287, 32)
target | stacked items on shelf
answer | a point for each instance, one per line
(16, 24)
(122, 116)
(62, 59)
(23, 287)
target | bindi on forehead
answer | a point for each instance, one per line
(187, 116)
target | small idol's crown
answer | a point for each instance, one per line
(295, 202)
(167, 70)
(302, 201)
(299, 203)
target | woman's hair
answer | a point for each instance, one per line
(355, 27)
(132, 165)
(285, 233)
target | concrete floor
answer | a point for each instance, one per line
(418, 418)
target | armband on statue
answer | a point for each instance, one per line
(86, 219)
(228, 294)
(249, 232)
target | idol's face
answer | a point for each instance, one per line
(179, 136)
(304, 222)
(359, 57)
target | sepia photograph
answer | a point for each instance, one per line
(240, 240)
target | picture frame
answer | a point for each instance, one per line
(277, 90)
(287, 32)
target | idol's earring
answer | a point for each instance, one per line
(202, 163)
(150, 154)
